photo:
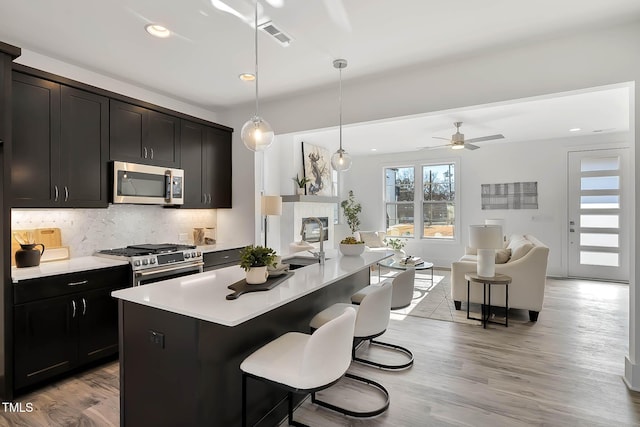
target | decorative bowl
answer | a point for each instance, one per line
(355, 249)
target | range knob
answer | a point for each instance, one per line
(136, 263)
(145, 262)
(152, 261)
(194, 255)
(187, 255)
(199, 254)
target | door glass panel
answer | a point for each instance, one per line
(599, 221)
(600, 202)
(596, 239)
(600, 258)
(600, 183)
(600, 164)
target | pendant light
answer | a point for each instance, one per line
(341, 160)
(256, 133)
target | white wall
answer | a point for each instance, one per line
(542, 161)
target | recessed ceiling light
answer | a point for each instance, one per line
(157, 30)
(374, 149)
(574, 129)
(247, 77)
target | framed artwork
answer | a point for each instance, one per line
(513, 195)
(317, 167)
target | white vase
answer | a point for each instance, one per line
(398, 254)
(352, 250)
(300, 191)
(257, 275)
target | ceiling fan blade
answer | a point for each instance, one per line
(470, 146)
(485, 138)
(439, 137)
(435, 147)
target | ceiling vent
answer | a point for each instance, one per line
(275, 32)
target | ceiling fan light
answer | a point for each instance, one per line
(341, 160)
(257, 134)
(457, 146)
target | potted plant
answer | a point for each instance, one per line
(255, 260)
(396, 245)
(350, 246)
(351, 209)
(300, 183)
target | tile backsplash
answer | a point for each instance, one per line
(88, 230)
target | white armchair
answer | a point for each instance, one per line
(373, 240)
(527, 266)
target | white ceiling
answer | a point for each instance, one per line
(200, 63)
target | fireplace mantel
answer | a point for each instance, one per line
(309, 199)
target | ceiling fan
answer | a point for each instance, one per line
(457, 140)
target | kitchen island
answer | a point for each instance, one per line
(182, 341)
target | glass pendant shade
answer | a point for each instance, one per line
(341, 160)
(257, 134)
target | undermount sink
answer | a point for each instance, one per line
(299, 262)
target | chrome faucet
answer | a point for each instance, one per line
(319, 255)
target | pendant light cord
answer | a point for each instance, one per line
(256, 44)
(340, 101)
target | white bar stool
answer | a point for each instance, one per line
(401, 297)
(302, 363)
(371, 321)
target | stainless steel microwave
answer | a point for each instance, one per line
(145, 184)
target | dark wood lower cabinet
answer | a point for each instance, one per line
(64, 322)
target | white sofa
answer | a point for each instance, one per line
(527, 266)
(373, 240)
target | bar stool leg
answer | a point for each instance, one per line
(244, 400)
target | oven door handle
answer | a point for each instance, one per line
(168, 269)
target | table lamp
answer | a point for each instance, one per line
(497, 221)
(486, 239)
(270, 205)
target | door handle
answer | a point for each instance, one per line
(572, 230)
(151, 149)
(57, 193)
(73, 304)
(84, 306)
(145, 152)
(66, 193)
(83, 282)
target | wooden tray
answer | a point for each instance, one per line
(242, 287)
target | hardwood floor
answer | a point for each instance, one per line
(564, 370)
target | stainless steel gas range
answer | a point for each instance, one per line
(155, 262)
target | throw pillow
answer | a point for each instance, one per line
(502, 256)
(371, 239)
(520, 251)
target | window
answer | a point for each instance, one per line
(399, 191)
(433, 213)
(438, 201)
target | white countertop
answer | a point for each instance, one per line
(202, 295)
(221, 246)
(72, 265)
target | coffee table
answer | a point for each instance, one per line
(396, 265)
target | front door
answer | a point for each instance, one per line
(598, 214)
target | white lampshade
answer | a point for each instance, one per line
(485, 236)
(486, 239)
(271, 205)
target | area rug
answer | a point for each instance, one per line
(432, 300)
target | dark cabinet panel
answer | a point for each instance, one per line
(192, 160)
(219, 167)
(45, 337)
(144, 136)
(98, 331)
(206, 160)
(84, 146)
(60, 142)
(36, 141)
(219, 259)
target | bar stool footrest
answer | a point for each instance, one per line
(398, 348)
(357, 414)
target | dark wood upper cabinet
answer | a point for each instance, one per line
(141, 135)
(60, 137)
(206, 159)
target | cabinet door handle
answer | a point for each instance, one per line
(209, 195)
(57, 193)
(66, 193)
(83, 282)
(145, 152)
(73, 304)
(84, 306)
(204, 197)
(151, 149)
